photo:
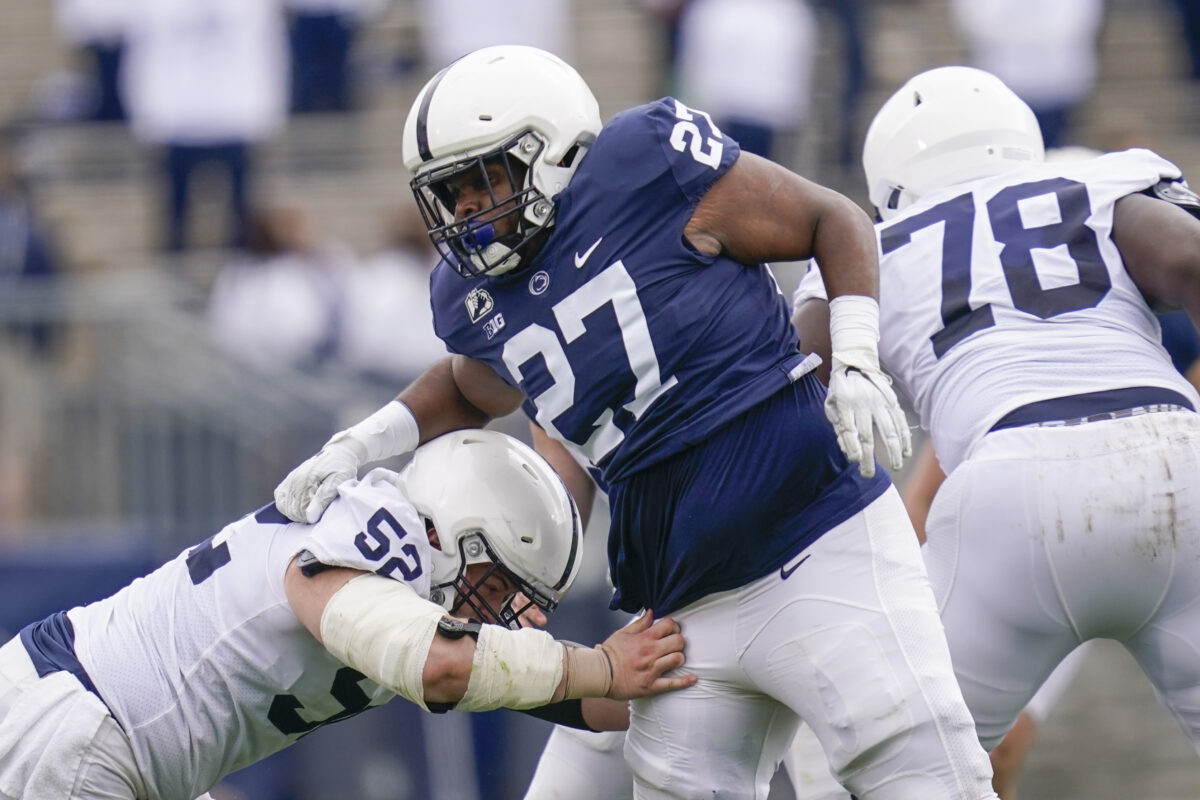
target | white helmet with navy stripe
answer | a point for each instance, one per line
(518, 105)
(945, 126)
(491, 499)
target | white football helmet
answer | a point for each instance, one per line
(491, 498)
(945, 126)
(520, 107)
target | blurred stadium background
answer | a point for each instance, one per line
(127, 431)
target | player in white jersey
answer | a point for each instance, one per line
(1017, 311)
(269, 629)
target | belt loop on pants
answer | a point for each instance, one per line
(1078, 409)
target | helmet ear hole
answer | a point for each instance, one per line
(431, 532)
(568, 160)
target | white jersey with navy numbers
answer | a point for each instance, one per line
(203, 662)
(1009, 290)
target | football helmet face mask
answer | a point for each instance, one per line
(492, 500)
(945, 126)
(519, 109)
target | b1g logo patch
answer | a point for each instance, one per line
(479, 304)
(493, 326)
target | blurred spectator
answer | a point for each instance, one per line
(96, 28)
(749, 63)
(849, 15)
(1047, 52)
(279, 303)
(28, 260)
(322, 34)
(387, 325)
(1188, 15)
(667, 15)
(453, 28)
(206, 81)
(29, 255)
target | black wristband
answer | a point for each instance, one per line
(456, 628)
(568, 712)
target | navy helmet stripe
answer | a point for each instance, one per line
(423, 116)
(574, 554)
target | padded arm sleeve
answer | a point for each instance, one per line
(383, 629)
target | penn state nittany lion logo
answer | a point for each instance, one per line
(479, 304)
(540, 282)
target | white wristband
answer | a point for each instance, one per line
(390, 431)
(854, 330)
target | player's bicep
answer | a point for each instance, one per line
(483, 388)
(1160, 245)
(308, 595)
(756, 212)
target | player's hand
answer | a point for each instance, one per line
(641, 654)
(309, 489)
(532, 616)
(861, 399)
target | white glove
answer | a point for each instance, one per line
(309, 489)
(860, 395)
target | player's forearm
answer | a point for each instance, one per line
(438, 405)
(844, 245)
(457, 393)
(1158, 243)
(579, 482)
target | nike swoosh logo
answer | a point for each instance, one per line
(785, 573)
(580, 260)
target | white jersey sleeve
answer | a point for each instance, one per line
(810, 287)
(389, 536)
(1010, 290)
(204, 664)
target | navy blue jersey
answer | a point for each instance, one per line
(624, 339)
(735, 507)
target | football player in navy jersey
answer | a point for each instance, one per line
(612, 282)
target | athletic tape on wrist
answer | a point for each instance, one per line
(390, 431)
(383, 629)
(513, 669)
(854, 330)
(589, 673)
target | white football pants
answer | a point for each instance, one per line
(58, 740)
(850, 642)
(1046, 537)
